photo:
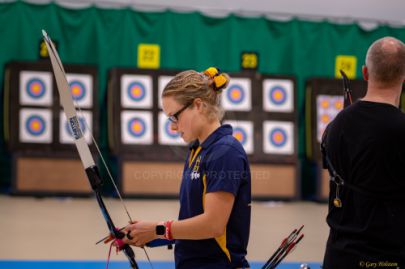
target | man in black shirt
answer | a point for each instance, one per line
(365, 144)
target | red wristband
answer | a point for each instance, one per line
(168, 233)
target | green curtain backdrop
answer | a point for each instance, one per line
(110, 37)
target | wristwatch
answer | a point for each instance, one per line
(160, 229)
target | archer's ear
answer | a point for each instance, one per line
(364, 70)
(198, 103)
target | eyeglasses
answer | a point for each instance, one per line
(175, 117)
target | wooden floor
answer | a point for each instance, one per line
(67, 228)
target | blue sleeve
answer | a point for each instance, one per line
(226, 168)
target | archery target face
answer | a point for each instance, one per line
(278, 95)
(162, 82)
(136, 127)
(35, 88)
(136, 91)
(166, 135)
(81, 89)
(327, 107)
(278, 137)
(65, 131)
(243, 132)
(237, 96)
(35, 126)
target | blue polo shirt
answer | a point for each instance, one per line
(218, 164)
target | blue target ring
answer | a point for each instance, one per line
(82, 127)
(136, 91)
(169, 132)
(35, 88)
(78, 90)
(240, 135)
(235, 94)
(278, 95)
(136, 127)
(278, 137)
(35, 125)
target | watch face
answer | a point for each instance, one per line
(160, 229)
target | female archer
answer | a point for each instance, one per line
(212, 230)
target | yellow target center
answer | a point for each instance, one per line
(137, 127)
(236, 94)
(325, 104)
(35, 125)
(325, 118)
(36, 88)
(278, 95)
(278, 137)
(238, 136)
(76, 90)
(136, 91)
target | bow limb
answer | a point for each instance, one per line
(81, 145)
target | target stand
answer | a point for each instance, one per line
(142, 179)
(48, 175)
(278, 181)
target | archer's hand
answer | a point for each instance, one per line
(139, 233)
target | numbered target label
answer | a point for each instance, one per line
(149, 56)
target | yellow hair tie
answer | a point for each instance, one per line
(220, 80)
(211, 72)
